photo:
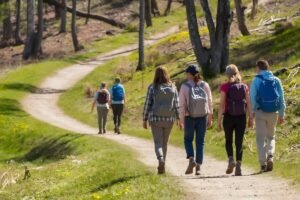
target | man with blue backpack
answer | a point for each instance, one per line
(268, 104)
(117, 103)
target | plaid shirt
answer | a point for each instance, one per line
(148, 114)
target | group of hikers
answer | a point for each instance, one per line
(192, 110)
(104, 99)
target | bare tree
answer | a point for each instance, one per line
(17, 37)
(63, 17)
(6, 23)
(240, 14)
(88, 11)
(154, 8)
(141, 36)
(212, 60)
(254, 8)
(168, 8)
(148, 17)
(37, 51)
(29, 43)
(76, 44)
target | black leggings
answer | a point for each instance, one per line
(117, 112)
(235, 124)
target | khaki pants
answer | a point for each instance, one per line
(102, 117)
(161, 132)
(265, 134)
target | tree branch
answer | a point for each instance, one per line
(91, 16)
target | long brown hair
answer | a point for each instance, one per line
(161, 77)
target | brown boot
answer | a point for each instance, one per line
(198, 167)
(190, 168)
(231, 166)
(270, 163)
(238, 169)
(161, 167)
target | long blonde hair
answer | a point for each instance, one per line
(233, 74)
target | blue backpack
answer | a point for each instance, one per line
(268, 95)
(117, 92)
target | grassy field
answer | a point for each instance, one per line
(244, 52)
(65, 165)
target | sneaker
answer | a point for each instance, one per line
(161, 167)
(190, 168)
(263, 168)
(198, 167)
(238, 169)
(270, 164)
(231, 166)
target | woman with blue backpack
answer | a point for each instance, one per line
(161, 111)
(268, 104)
(196, 114)
(117, 103)
(233, 108)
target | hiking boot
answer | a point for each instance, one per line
(231, 166)
(100, 132)
(198, 167)
(118, 131)
(270, 164)
(263, 168)
(238, 169)
(115, 130)
(190, 168)
(104, 131)
(161, 167)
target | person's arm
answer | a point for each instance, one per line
(147, 106)
(210, 105)
(249, 109)
(221, 109)
(94, 102)
(111, 97)
(124, 94)
(282, 104)
(176, 109)
(182, 102)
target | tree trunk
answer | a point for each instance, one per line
(240, 14)
(37, 51)
(63, 17)
(57, 11)
(91, 16)
(199, 51)
(154, 8)
(7, 25)
(88, 11)
(168, 8)
(17, 37)
(29, 43)
(254, 8)
(141, 36)
(77, 46)
(148, 16)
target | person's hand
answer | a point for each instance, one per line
(280, 120)
(220, 127)
(209, 121)
(180, 124)
(250, 122)
(145, 125)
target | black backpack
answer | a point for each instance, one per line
(236, 99)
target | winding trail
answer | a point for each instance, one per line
(213, 184)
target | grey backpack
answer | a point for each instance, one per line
(197, 104)
(164, 97)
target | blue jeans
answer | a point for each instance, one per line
(192, 126)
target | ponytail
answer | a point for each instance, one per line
(197, 78)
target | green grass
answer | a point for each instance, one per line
(244, 52)
(65, 165)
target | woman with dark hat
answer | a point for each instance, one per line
(196, 113)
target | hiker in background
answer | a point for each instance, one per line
(268, 104)
(102, 99)
(117, 103)
(234, 104)
(161, 110)
(196, 113)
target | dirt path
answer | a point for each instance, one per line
(213, 184)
